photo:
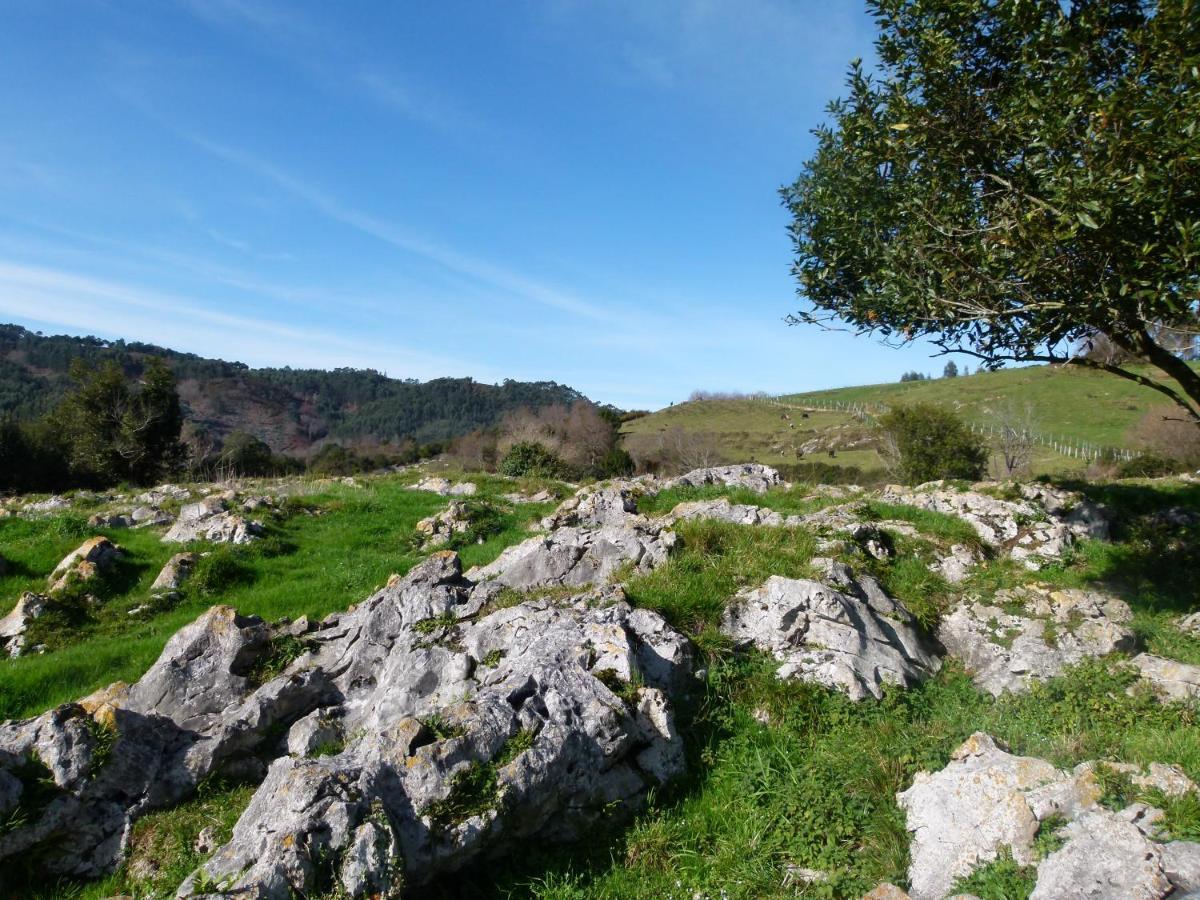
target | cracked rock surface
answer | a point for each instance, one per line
(855, 639)
(211, 520)
(461, 731)
(986, 799)
(1032, 634)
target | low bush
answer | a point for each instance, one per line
(531, 458)
(926, 442)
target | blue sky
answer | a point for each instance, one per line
(567, 190)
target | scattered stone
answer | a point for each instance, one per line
(1034, 530)
(986, 800)
(174, 573)
(210, 520)
(439, 529)
(956, 565)
(722, 510)
(1169, 678)
(1007, 650)
(542, 496)
(84, 562)
(150, 516)
(109, 520)
(886, 891)
(13, 626)
(614, 503)
(578, 556)
(443, 486)
(161, 494)
(49, 505)
(206, 840)
(752, 476)
(1188, 624)
(855, 641)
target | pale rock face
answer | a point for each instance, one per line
(751, 476)
(1168, 678)
(986, 800)
(724, 511)
(418, 649)
(1034, 530)
(93, 556)
(176, 571)
(439, 529)
(543, 496)
(49, 505)
(164, 492)
(443, 486)
(1006, 651)
(210, 520)
(854, 640)
(1190, 624)
(613, 503)
(12, 627)
(575, 557)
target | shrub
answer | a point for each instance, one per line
(531, 458)
(616, 462)
(1149, 465)
(926, 442)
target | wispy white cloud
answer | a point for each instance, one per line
(82, 302)
(402, 238)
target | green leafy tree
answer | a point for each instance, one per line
(247, 455)
(118, 431)
(531, 458)
(1019, 177)
(925, 442)
(951, 370)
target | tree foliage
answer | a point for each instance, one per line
(926, 442)
(531, 458)
(1021, 174)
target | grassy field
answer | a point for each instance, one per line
(334, 547)
(1065, 402)
(781, 776)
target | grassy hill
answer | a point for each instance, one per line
(1065, 403)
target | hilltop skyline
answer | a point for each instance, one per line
(574, 192)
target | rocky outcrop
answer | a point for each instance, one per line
(611, 503)
(542, 496)
(445, 731)
(751, 476)
(438, 530)
(1036, 529)
(855, 639)
(574, 557)
(1168, 678)
(444, 487)
(1189, 624)
(109, 520)
(49, 505)
(987, 800)
(13, 626)
(176, 571)
(1033, 633)
(724, 511)
(159, 495)
(90, 558)
(210, 520)
(150, 517)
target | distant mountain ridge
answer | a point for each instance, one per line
(290, 409)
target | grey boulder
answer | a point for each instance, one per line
(855, 639)
(751, 476)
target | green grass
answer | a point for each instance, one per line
(798, 500)
(307, 565)
(815, 785)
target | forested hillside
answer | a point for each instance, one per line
(290, 409)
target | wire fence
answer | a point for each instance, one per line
(1061, 444)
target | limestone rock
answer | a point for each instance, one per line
(1189, 624)
(159, 495)
(150, 517)
(443, 486)
(1169, 678)
(12, 626)
(1036, 529)
(538, 719)
(724, 511)
(177, 570)
(93, 556)
(986, 800)
(578, 556)
(854, 640)
(49, 505)
(1104, 857)
(109, 520)
(437, 530)
(613, 503)
(1007, 651)
(751, 476)
(542, 496)
(210, 520)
